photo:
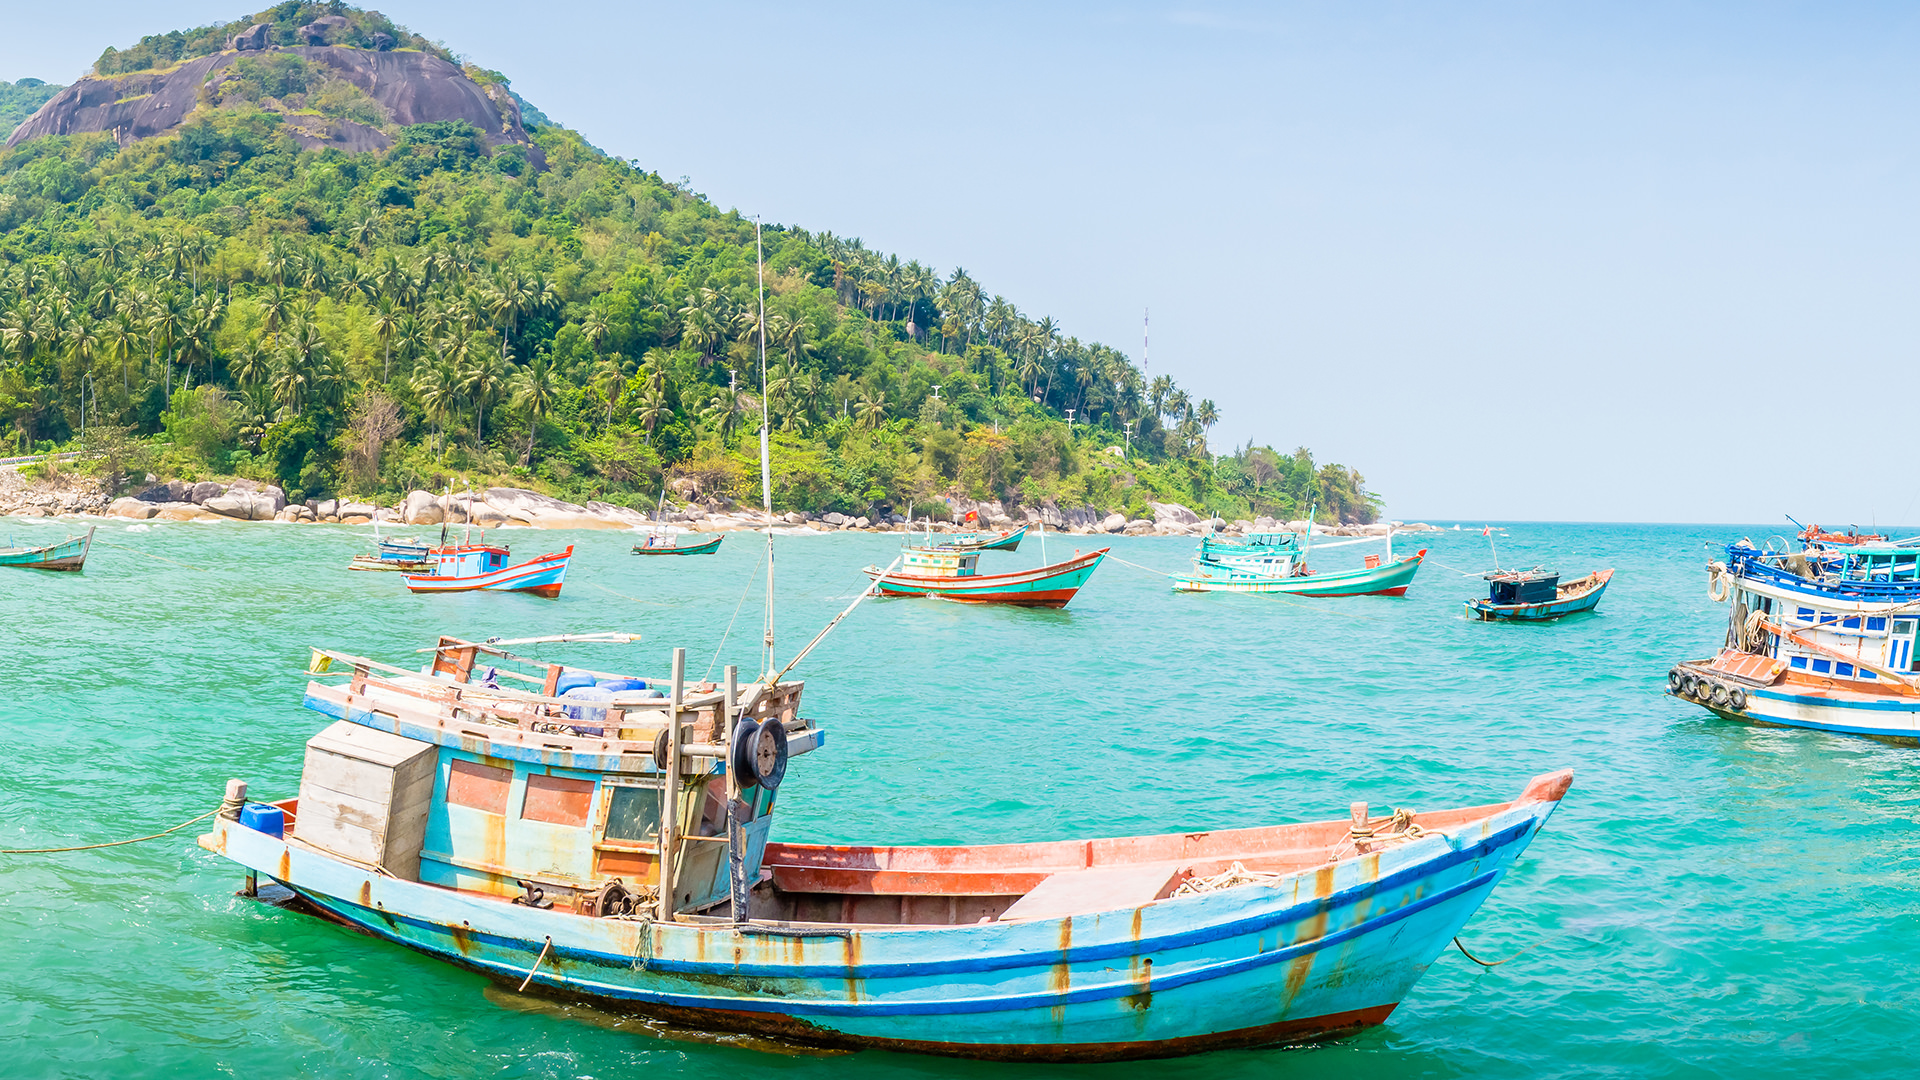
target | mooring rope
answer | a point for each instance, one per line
(751, 578)
(137, 551)
(1496, 963)
(624, 596)
(112, 843)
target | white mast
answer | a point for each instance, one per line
(766, 467)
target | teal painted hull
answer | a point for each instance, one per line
(1047, 586)
(69, 554)
(1391, 579)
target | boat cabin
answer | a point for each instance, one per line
(940, 562)
(1523, 587)
(468, 560)
(538, 796)
(1877, 562)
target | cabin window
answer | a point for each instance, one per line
(1851, 622)
(1842, 669)
(1805, 614)
(482, 787)
(633, 814)
(557, 800)
(1799, 663)
(1823, 666)
(1876, 622)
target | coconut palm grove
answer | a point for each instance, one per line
(217, 301)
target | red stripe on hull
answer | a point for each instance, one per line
(1053, 598)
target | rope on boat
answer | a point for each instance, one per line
(537, 963)
(111, 843)
(137, 551)
(751, 578)
(1496, 963)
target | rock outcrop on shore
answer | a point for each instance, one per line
(502, 507)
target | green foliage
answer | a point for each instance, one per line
(159, 51)
(19, 100)
(559, 319)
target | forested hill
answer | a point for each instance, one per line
(219, 301)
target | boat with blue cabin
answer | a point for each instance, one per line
(1820, 636)
(620, 852)
(1536, 595)
(949, 574)
(483, 566)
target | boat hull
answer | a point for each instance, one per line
(1320, 953)
(1487, 611)
(1047, 586)
(1393, 579)
(707, 548)
(1836, 705)
(69, 555)
(541, 577)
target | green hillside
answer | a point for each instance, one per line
(18, 100)
(225, 303)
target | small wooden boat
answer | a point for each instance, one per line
(675, 544)
(467, 567)
(1535, 595)
(1376, 579)
(954, 575)
(624, 858)
(410, 556)
(68, 554)
(977, 541)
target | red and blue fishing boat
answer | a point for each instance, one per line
(1536, 595)
(955, 575)
(621, 853)
(467, 567)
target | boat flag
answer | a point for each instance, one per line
(1488, 531)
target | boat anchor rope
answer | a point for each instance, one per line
(112, 843)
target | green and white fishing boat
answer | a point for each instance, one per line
(68, 554)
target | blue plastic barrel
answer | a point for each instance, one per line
(622, 684)
(263, 818)
(583, 713)
(570, 680)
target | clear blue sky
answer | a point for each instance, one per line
(1524, 260)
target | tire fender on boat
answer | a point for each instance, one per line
(1718, 695)
(1675, 680)
(1688, 681)
(1737, 698)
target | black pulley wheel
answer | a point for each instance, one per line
(769, 744)
(744, 734)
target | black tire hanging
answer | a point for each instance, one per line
(1675, 679)
(770, 753)
(1737, 698)
(742, 763)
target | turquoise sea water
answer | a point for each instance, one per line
(1711, 900)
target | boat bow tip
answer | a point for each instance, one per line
(1547, 787)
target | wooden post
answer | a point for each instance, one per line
(736, 839)
(670, 793)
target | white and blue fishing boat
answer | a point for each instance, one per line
(618, 850)
(1817, 637)
(471, 567)
(1536, 595)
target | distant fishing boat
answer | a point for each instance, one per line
(68, 554)
(1377, 578)
(467, 567)
(1536, 595)
(1821, 637)
(955, 575)
(620, 852)
(673, 544)
(977, 541)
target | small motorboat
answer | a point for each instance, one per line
(676, 544)
(1536, 595)
(467, 567)
(68, 554)
(955, 575)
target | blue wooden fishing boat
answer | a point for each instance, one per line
(1820, 636)
(69, 554)
(977, 541)
(1536, 595)
(620, 852)
(1281, 574)
(470, 567)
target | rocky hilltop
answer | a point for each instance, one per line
(334, 87)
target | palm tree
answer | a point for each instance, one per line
(651, 410)
(250, 366)
(607, 379)
(871, 409)
(386, 324)
(438, 387)
(534, 394)
(480, 379)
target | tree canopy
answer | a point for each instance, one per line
(364, 323)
